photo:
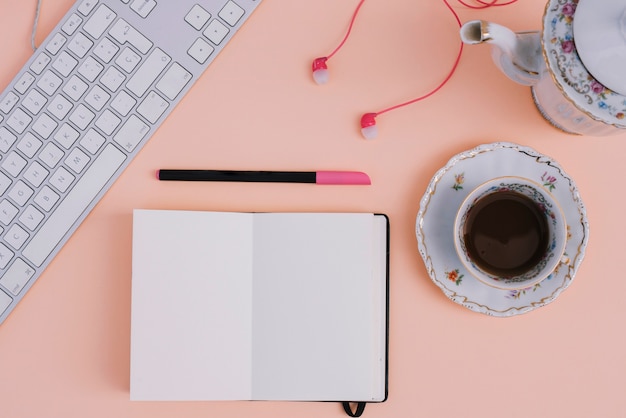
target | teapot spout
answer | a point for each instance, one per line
(517, 55)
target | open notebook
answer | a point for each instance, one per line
(259, 306)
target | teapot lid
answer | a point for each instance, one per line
(599, 30)
(579, 85)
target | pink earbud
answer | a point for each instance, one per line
(320, 70)
(368, 126)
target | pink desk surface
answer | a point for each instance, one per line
(64, 352)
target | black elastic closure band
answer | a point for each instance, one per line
(360, 407)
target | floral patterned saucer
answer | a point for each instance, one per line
(445, 193)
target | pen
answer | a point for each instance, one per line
(317, 177)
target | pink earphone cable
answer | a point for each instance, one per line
(368, 122)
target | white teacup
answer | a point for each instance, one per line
(510, 233)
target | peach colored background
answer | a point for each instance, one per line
(64, 352)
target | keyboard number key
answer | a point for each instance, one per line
(231, 13)
(87, 6)
(19, 120)
(6, 139)
(25, 81)
(200, 50)
(8, 102)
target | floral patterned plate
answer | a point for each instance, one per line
(438, 207)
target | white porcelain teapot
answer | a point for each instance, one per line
(576, 66)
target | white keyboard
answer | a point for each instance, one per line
(82, 107)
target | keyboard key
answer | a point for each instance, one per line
(7, 139)
(108, 122)
(8, 211)
(34, 102)
(80, 45)
(13, 164)
(51, 155)
(128, 60)
(87, 6)
(61, 179)
(72, 207)
(30, 218)
(197, 17)
(92, 141)
(9, 101)
(19, 120)
(29, 145)
(131, 133)
(64, 64)
(35, 174)
(143, 7)
(216, 32)
(71, 24)
(124, 33)
(55, 44)
(40, 63)
(5, 182)
(90, 69)
(60, 107)
(123, 103)
(152, 107)
(99, 21)
(200, 50)
(46, 198)
(173, 81)
(16, 236)
(231, 13)
(17, 276)
(97, 98)
(24, 82)
(49, 82)
(20, 193)
(112, 79)
(148, 72)
(106, 50)
(77, 160)
(75, 88)
(5, 256)
(44, 126)
(82, 117)
(66, 136)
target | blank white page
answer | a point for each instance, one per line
(312, 306)
(191, 305)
